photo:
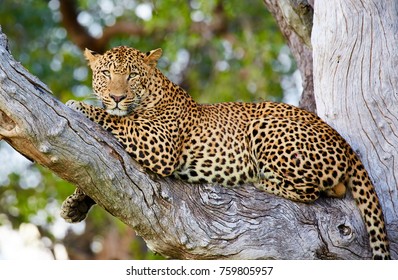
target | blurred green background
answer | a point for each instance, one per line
(217, 50)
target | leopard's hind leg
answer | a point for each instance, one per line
(278, 185)
(338, 191)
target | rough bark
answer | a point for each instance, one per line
(356, 87)
(176, 219)
(294, 18)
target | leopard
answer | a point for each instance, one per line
(279, 148)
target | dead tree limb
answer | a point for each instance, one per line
(294, 18)
(176, 219)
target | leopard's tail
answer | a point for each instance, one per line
(366, 198)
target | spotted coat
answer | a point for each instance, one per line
(279, 148)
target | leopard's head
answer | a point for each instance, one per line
(121, 77)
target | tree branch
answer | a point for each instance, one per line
(80, 36)
(176, 219)
(294, 18)
(356, 86)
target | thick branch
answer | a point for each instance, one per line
(356, 84)
(176, 219)
(294, 18)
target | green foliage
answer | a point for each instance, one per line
(23, 199)
(39, 42)
(217, 55)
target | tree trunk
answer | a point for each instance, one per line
(176, 219)
(294, 18)
(355, 47)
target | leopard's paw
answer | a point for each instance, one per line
(75, 208)
(73, 104)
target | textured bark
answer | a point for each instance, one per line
(294, 18)
(176, 219)
(356, 87)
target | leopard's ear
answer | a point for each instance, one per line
(152, 57)
(91, 56)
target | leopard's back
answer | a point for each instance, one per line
(279, 148)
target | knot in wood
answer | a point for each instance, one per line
(344, 230)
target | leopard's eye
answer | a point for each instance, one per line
(133, 76)
(106, 73)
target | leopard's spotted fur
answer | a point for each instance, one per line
(280, 148)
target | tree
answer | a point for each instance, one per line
(354, 50)
(197, 54)
(203, 221)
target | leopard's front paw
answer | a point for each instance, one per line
(75, 208)
(73, 104)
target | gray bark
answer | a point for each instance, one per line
(355, 45)
(294, 18)
(176, 219)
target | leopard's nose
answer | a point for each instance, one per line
(118, 98)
